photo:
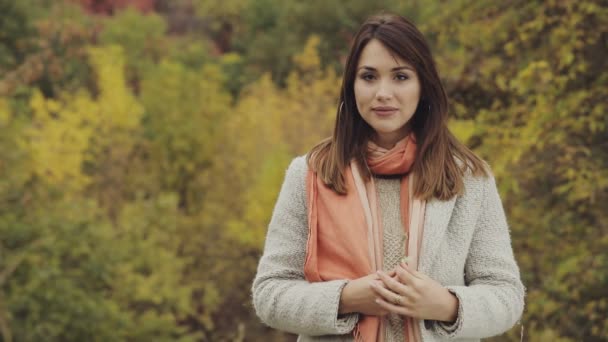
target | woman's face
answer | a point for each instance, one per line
(387, 91)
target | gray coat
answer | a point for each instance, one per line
(466, 247)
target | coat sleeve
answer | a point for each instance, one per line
(282, 298)
(493, 299)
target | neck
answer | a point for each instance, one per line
(389, 140)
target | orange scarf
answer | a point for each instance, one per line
(345, 232)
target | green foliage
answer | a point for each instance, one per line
(14, 29)
(56, 288)
(534, 85)
(185, 114)
(269, 33)
(140, 162)
(141, 37)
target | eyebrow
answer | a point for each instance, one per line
(393, 69)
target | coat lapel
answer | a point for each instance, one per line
(436, 219)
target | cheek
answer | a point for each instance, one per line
(362, 93)
(416, 91)
(411, 95)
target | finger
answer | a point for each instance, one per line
(415, 284)
(377, 282)
(394, 308)
(390, 296)
(405, 291)
(405, 276)
(412, 271)
(417, 280)
(392, 284)
(393, 274)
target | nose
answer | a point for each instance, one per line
(384, 92)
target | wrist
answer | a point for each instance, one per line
(344, 306)
(450, 312)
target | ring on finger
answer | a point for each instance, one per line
(398, 300)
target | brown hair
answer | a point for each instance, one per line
(440, 174)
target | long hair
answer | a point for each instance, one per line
(441, 160)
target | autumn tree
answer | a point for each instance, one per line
(531, 76)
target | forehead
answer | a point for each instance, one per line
(378, 56)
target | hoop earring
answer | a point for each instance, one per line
(340, 108)
(429, 107)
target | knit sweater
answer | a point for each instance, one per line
(393, 242)
(465, 246)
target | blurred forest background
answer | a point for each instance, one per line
(143, 144)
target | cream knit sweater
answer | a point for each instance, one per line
(466, 247)
(393, 241)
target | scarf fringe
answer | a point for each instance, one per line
(357, 334)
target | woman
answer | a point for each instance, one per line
(391, 229)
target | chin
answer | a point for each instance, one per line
(386, 130)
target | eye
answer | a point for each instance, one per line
(367, 76)
(401, 77)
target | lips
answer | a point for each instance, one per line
(384, 110)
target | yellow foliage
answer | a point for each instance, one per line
(462, 129)
(308, 59)
(181, 218)
(117, 105)
(59, 136)
(65, 131)
(272, 125)
(5, 111)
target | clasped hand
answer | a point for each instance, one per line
(402, 291)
